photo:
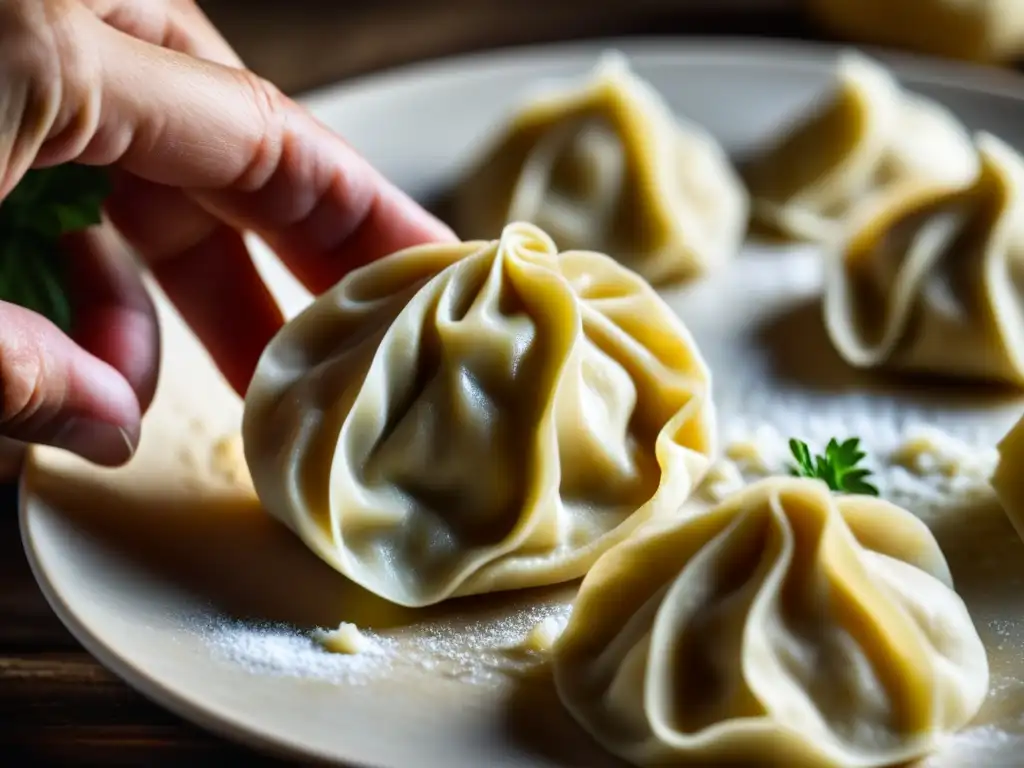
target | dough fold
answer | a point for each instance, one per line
(858, 140)
(1008, 479)
(464, 418)
(604, 165)
(931, 278)
(788, 626)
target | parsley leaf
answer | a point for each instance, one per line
(837, 467)
(46, 205)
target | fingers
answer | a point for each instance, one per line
(243, 152)
(161, 220)
(176, 24)
(114, 317)
(321, 207)
(275, 171)
(55, 393)
(205, 269)
(217, 288)
(250, 155)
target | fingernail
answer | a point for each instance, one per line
(97, 441)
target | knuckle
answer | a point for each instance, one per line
(42, 67)
(31, 79)
(25, 376)
(35, 41)
(271, 108)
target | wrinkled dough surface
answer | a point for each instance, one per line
(861, 138)
(978, 30)
(930, 280)
(787, 626)
(605, 165)
(459, 419)
(1008, 478)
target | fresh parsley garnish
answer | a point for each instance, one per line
(838, 467)
(46, 205)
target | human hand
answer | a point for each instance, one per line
(202, 150)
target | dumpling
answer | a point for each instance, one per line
(483, 416)
(867, 135)
(788, 626)
(977, 30)
(1008, 480)
(930, 280)
(604, 165)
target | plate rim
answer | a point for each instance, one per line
(213, 720)
(915, 68)
(999, 82)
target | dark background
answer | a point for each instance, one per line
(300, 44)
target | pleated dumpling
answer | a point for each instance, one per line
(977, 30)
(604, 165)
(788, 626)
(1008, 478)
(483, 416)
(865, 136)
(930, 280)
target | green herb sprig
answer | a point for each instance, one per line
(46, 205)
(837, 467)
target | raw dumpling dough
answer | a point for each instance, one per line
(787, 626)
(483, 416)
(977, 30)
(930, 280)
(605, 165)
(867, 135)
(1008, 479)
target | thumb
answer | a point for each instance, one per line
(55, 393)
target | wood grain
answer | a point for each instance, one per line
(58, 706)
(301, 45)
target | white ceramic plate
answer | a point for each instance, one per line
(165, 570)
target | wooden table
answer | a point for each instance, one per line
(57, 705)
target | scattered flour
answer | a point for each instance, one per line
(481, 652)
(919, 466)
(279, 650)
(916, 467)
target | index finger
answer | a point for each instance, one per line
(249, 154)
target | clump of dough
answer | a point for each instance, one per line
(929, 451)
(346, 639)
(722, 479)
(545, 634)
(227, 460)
